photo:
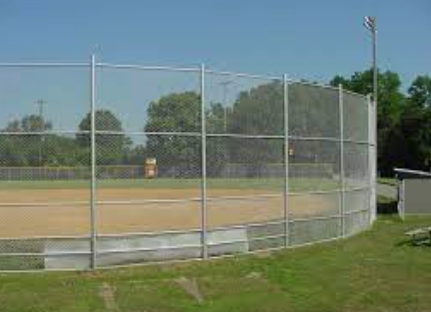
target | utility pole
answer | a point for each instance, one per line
(41, 106)
(225, 85)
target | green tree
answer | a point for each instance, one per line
(414, 129)
(35, 123)
(217, 147)
(420, 91)
(258, 111)
(175, 154)
(137, 156)
(215, 116)
(175, 112)
(13, 152)
(13, 126)
(313, 111)
(24, 148)
(64, 151)
(390, 104)
(112, 145)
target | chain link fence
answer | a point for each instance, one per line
(105, 164)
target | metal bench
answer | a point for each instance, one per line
(420, 236)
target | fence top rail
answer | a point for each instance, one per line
(149, 68)
(281, 78)
(66, 167)
(364, 96)
(326, 86)
(44, 133)
(45, 64)
(313, 84)
(244, 75)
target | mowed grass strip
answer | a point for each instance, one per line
(388, 181)
(378, 270)
(273, 184)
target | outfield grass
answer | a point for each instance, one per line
(388, 181)
(378, 270)
(295, 184)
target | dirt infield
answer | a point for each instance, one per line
(64, 212)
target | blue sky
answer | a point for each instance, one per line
(306, 39)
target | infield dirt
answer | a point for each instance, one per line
(64, 212)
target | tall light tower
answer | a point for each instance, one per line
(370, 23)
(41, 106)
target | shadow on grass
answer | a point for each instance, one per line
(405, 242)
(418, 243)
(387, 206)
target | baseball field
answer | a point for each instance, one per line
(61, 208)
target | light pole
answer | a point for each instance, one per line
(370, 23)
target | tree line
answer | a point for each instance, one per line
(30, 142)
(404, 129)
(404, 119)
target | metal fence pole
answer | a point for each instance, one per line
(203, 168)
(342, 193)
(376, 157)
(401, 200)
(373, 157)
(286, 160)
(370, 159)
(93, 199)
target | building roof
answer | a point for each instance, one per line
(403, 173)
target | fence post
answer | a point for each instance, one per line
(93, 199)
(203, 168)
(342, 193)
(286, 160)
(372, 156)
(376, 157)
(370, 160)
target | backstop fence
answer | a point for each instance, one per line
(243, 163)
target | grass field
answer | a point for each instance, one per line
(295, 184)
(388, 181)
(375, 271)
